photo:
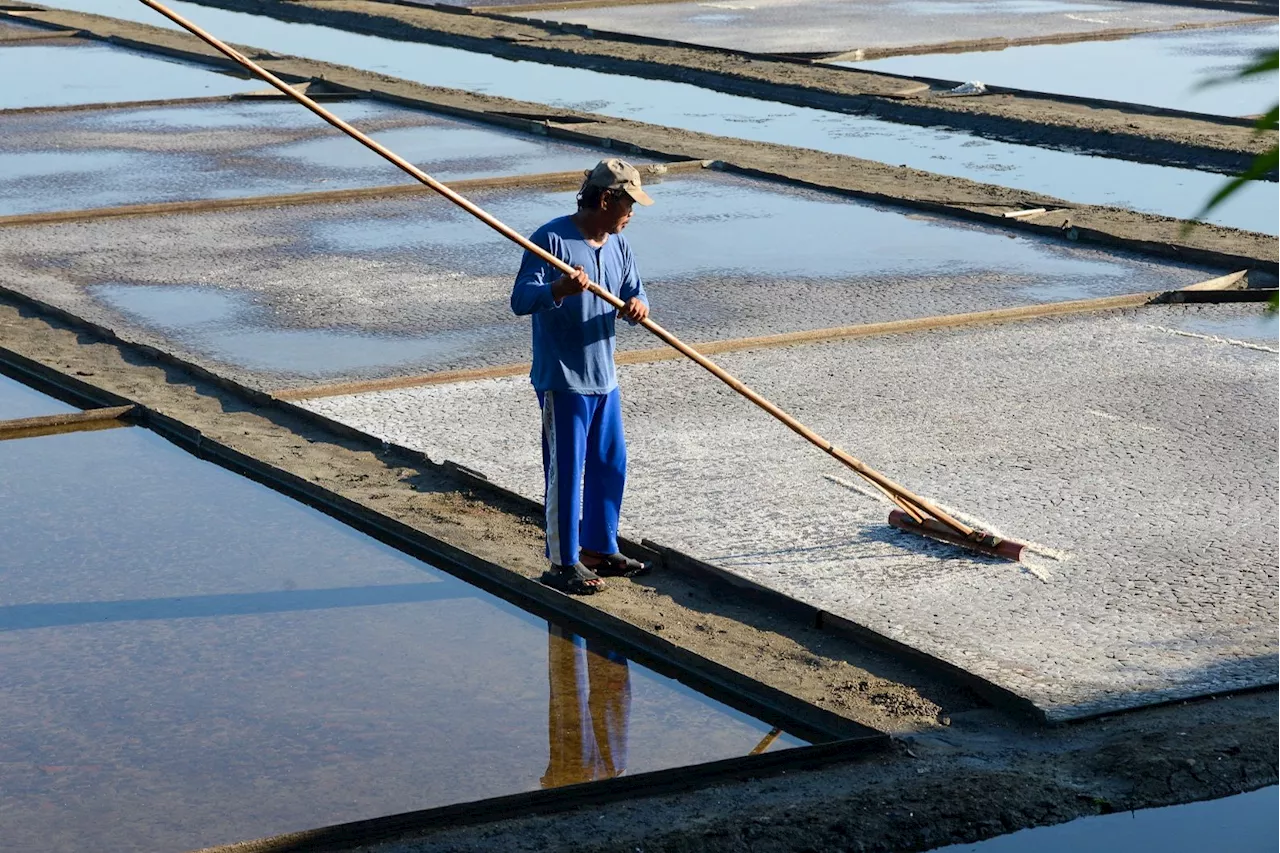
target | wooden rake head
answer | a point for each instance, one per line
(978, 540)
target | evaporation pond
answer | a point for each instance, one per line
(246, 148)
(19, 401)
(408, 285)
(191, 659)
(812, 26)
(1174, 67)
(325, 292)
(60, 75)
(1068, 175)
(1245, 823)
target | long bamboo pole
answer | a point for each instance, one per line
(914, 505)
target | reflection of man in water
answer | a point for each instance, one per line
(589, 710)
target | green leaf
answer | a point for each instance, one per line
(1262, 165)
(1263, 63)
(1266, 62)
(1265, 164)
(1267, 121)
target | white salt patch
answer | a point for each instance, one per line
(1215, 339)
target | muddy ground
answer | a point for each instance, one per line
(1226, 248)
(1135, 133)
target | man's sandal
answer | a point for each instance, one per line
(574, 580)
(616, 565)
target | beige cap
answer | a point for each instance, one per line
(618, 175)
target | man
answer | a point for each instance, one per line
(584, 456)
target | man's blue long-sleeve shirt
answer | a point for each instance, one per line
(573, 342)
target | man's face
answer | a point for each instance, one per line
(615, 208)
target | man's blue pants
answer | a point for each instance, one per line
(584, 461)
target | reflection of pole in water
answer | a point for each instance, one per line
(767, 741)
(589, 710)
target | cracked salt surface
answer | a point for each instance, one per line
(1166, 504)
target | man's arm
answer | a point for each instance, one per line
(632, 290)
(537, 287)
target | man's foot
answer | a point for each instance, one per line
(575, 580)
(616, 565)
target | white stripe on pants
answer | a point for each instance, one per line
(552, 496)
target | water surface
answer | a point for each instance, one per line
(60, 75)
(19, 401)
(1245, 823)
(238, 149)
(198, 660)
(229, 327)
(1250, 322)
